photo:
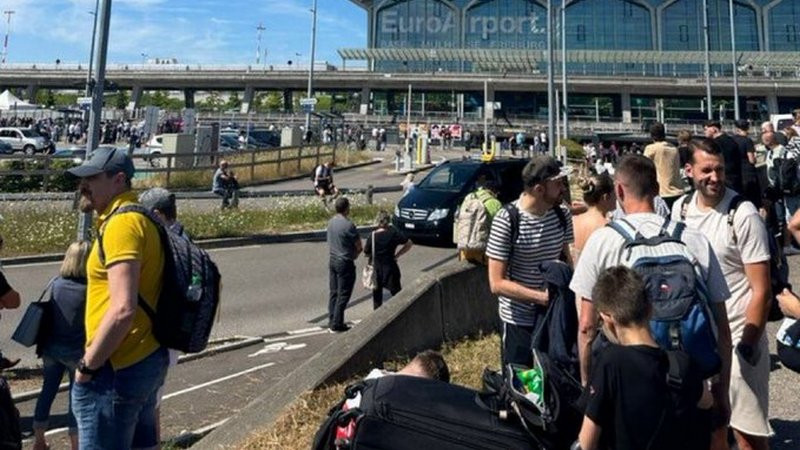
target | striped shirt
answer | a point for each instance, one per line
(540, 239)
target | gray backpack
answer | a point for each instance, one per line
(472, 223)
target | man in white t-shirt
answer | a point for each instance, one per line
(741, 244)
(543, 233)
(636, 186)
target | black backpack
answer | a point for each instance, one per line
(10, 433)
(190, 289)
(787, 175)
(399, 412)
(778, 265)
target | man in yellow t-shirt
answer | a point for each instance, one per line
(117, 380)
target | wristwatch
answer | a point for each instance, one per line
(84, 369)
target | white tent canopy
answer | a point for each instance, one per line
(10, 102)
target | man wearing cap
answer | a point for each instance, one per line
(123, 365)
(162, 203)
(543, 234)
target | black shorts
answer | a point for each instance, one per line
(327, 189)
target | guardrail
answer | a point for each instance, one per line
(170, 164)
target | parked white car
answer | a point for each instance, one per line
(25, 140)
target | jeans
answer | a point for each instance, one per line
(230, 197)
(342, 277)
(54, 369)
(109, 407)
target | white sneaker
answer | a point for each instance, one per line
(790, 250)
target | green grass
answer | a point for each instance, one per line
(35, 228)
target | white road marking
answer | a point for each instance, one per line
(294, 347)
(218, 380)
(271, 348)
(228, 249)
(304, 330)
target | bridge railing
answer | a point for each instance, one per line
(186, 170)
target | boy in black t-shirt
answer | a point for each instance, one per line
(632, 405)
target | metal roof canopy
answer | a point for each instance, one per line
(533, 58)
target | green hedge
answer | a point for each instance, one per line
(58, 182)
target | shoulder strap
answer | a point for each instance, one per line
(685, 206)
(46, 289)
(735, 202)
(620, 227)
(562, 218)
(513, 219)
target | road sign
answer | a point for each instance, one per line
(308, 101)
(84, 101)
(307, 108)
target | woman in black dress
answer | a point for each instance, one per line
(387, 239)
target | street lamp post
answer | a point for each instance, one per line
(734, 64)
(706, 45)
(144, 58)
(311, 62)
(551, 103)
(565, 106)
(89, 83)
(93, 134)
(8, 14)
(260, 28)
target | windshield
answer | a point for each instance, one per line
(448, 177)
(30, 133)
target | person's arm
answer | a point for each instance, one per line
(359, 246)
(721, 383)
(789, 303)
(589, 437)
(758, 309)
(794, 226)
(404, 249)
(502, 286)
(9, 299)
(587, 331)
(123, 286)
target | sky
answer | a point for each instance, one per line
(193, 31)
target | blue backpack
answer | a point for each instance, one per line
(682, 317)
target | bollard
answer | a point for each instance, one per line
(397, 161)
(368, 194)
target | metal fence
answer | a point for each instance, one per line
(286, 160)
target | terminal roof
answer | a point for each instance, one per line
(534, 60)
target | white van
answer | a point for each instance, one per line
(781, 121)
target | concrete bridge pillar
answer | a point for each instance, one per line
(188, 98)
(366, 101)
(772, 104)
(288, 101)
(488, 103)
(30, 93)
(136, 98)
(460, 105)
(626, 107)
(249, 95)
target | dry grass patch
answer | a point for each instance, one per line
(296, 427)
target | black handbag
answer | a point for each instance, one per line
(28, 330)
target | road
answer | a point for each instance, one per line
(266, 289)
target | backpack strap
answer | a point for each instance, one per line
(624, 228)
(684, 202)
(513, 219)
(677, 369)
(735, 202)
(562, 218)
(162, 233)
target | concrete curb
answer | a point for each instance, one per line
(414, 170)
(450, 302)
(210, 244)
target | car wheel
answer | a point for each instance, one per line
(29, 150)
(155, 159)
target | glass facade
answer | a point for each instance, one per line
(514, 24)
(682, 27)
(784, 26)
(608, 25)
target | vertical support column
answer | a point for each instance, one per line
(423, 105)
(626, 107)
(249, 95)
(460, 105)
(188, 98)
(772, 104)
(136, 98)
(30, 93)
(288, 101)
(366, 103)
(488, 102)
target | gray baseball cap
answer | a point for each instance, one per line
(105, 159)
(157, 198)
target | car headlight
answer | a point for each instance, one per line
(438, 214)
(396, 211)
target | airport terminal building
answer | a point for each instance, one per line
(655, 46)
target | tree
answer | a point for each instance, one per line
(213, 102)
(121, 99)
(234, 102)
(46, 98)
(269, 102)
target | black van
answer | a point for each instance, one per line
(426, 212)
